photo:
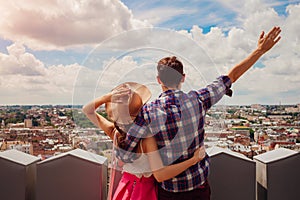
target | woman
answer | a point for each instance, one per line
(122, 106)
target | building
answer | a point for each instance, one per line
(28, 123)
(22, 146)
(242, 130)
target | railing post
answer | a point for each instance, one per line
(232, 175)
(17, 175)
(277, 174)
(74, 175)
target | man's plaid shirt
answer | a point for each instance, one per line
(176, 120)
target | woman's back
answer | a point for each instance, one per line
(139, 167)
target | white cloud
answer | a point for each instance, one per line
(161, 14)
(19, 62)
(244, 8)
(279, 78)
(58, 24)
(25, 80)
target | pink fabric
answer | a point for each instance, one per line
(133, 188)
(115, 177)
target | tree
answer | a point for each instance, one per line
(251, 134)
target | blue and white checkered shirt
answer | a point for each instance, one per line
(176, 120)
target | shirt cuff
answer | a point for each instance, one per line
(227, 83)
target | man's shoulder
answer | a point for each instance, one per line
(152, 104)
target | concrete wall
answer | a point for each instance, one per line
(71, 177)
(75, 177)
(278, 177)
(17, 175)
(231, 178)
(12, 184)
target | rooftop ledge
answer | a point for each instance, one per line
(79, 174)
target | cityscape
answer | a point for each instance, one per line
(48, 130)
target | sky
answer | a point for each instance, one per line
(70, 51)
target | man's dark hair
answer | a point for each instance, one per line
(170, 71)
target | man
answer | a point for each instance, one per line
(176, 119)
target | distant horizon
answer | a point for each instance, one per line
(2, 105)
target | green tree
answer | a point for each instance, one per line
(251, 132)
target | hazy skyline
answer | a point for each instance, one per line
(45, 45)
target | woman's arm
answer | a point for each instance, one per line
(265, 43)
(90, 111)
(161, 172)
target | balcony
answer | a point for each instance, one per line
(78, 175)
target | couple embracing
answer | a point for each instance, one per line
(161, 142)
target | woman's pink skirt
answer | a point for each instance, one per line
(133, 188)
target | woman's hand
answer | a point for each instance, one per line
(120, 104)
(121, 94)
(199, 154)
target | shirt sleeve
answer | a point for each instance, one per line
(135, 133)
(212, 93)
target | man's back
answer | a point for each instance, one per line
(176, 120)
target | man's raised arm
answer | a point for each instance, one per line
(265, 43)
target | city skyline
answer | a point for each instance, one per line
(45, 46)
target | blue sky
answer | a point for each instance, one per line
(185, 13)
(45, 45)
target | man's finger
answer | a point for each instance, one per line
(275, 41)
(262, 35)
(275, 31)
